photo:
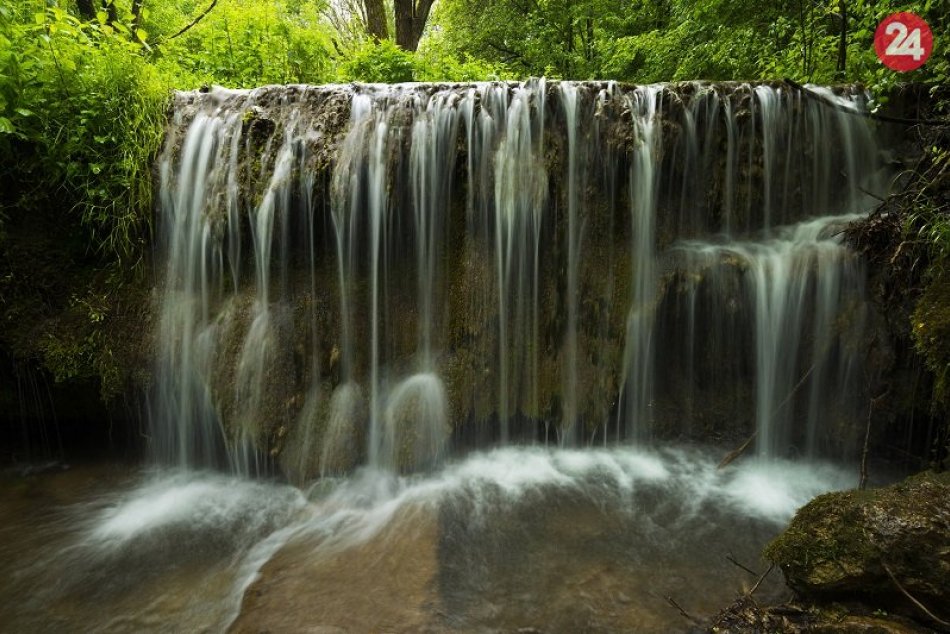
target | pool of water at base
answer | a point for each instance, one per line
(514, 539)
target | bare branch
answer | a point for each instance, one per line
(737, 564)
(683, 612)
(735, 453)
(915, 601)
(193, 22)
(759, 582)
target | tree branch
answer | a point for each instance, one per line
(193, 22)
(86, 9)
(137, 13)
(686, 615)
(736, 563)
(512, 54)
(759, 582)
(911, 597)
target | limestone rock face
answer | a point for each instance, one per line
(850, 544)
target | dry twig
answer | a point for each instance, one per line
(737, 564)
(759, 582)
(683, 612)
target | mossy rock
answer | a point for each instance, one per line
(848, 544)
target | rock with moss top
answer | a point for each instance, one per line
(867, 545)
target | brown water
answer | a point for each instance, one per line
(506, 541)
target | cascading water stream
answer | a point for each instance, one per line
(639, 357)
(464, 267)
(797, 283)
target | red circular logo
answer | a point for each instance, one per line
(903, 41)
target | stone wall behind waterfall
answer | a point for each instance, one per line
(387, 274)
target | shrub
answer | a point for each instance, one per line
(379, 62)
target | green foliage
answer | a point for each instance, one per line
(82, 112)
(81, 117)
(435, 63)
(931, 328)
(245, 43)
(379, 62)
(927, 228)
(664, 40)
(531, 38)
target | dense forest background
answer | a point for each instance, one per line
(85, 86)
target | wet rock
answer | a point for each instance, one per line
(873, 546)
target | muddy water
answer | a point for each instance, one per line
(513, 539)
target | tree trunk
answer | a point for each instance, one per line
(111, 12)
(411, 16)
(590, 39)
(843, 37)
(374, 14)
(87, 10)
(137, 13)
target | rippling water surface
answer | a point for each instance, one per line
(592, 540)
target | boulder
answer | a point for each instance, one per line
(873, 546)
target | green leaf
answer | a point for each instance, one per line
(6, 126)
(24, 112)
(141, 34)
(102, 16)
(39, 18)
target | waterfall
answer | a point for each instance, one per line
(638, 363)
(383, 274)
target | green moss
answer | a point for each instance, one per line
(839, 543)
(931, 328)
(826, 539)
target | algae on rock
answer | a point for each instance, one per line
(873, 546)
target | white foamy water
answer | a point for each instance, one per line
(350, 510)
(628, 482)
(180, 550)
(195, 502)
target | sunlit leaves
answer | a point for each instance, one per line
(382, 62)
(243, 43)
(86, 110)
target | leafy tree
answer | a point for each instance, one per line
(243, 43)
(663, 40)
